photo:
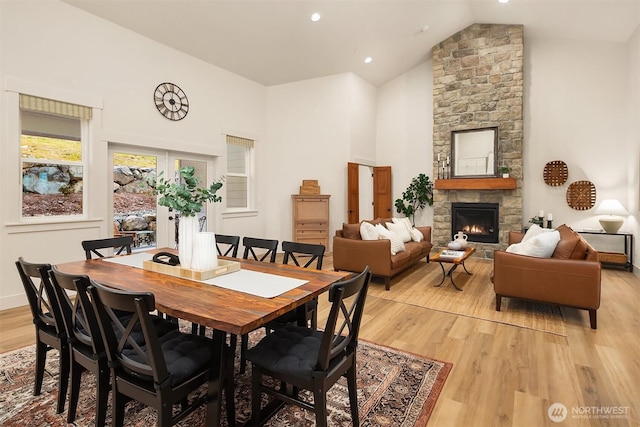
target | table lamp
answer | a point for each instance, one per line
(612, 211)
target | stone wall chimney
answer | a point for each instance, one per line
(478, 83)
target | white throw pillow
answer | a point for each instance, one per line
(401, 230)
(396, 243)
(416, 235)
(404, 220)
(368, 231)
(533, 231)
(541, 246)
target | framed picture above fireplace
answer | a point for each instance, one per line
(474, 152)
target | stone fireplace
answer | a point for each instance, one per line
(478, 83)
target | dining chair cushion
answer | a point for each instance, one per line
(291, 350)
(184, 354)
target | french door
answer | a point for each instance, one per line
(167, 163)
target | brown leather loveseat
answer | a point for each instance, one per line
(570, 277)
(351, 253)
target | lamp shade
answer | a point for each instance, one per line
(611, 207)
(612, 210)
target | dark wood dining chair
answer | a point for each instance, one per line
(228, 244)
(87, 352)
(305, 358)
(161, 371)
(118, 244)
(307, 255)
(269, 246)
(50, 334)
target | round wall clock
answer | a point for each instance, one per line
(171, 101)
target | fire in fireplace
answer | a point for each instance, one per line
(479, 221)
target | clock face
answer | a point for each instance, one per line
(171, 101)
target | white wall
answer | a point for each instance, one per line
(405, 131)
(316, 126)
(575, 108)
(53, 48)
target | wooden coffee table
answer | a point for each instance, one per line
(441, 258)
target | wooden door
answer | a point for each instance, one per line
(382, 192)
(353, 193)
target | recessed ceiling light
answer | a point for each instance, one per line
(503, 1)
(315, 17)
(368, 60)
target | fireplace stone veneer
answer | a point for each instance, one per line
(478, 83)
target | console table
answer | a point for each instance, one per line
(615, 259)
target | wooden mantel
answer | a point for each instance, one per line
(476, 184)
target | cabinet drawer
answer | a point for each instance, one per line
(311, 225)
(313, 241)
(309, 233)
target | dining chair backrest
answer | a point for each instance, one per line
(157, 370)
(229, 244)
(40, 302)
(118, 244)
(87, 349)
(79, 317)
(340, 337)
(295, 251)
(49, 324)
(270, 246)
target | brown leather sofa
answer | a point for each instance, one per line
(351, 253)
(570, 277)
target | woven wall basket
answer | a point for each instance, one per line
(581, 195)
(555, 173)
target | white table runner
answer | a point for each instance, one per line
(250, 282)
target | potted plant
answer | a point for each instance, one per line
(186, 198)
(415, 197)
(504, 170)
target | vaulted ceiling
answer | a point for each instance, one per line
(274, 42)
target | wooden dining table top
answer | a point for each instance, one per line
(209, 305)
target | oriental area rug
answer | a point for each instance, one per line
(477, 299)
(394, 389)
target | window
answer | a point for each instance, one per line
(238, 180)
(51, 156)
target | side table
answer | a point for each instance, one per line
(615, 259)
(456, 261)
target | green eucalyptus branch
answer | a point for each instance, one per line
(186, 197)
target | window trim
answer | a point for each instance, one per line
(249, 210)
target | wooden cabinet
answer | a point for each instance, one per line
(311, 219)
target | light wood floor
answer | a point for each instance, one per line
(502, 375)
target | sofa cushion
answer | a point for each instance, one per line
(568, 241)
(351, 231)
(414, 249)
(541, 246)
(580, 251)
(399, 229)
(368, 231)
(400, 259)
(533, 231)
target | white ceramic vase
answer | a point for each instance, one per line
(204, 252)
(187, 229)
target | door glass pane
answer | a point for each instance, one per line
(134, 200)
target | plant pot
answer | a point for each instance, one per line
(505, 175)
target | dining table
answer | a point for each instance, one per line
(235, 303)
